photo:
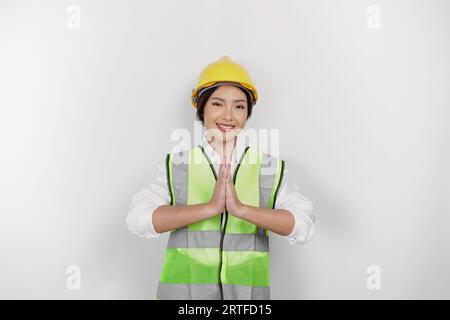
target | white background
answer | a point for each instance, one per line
(363, 116)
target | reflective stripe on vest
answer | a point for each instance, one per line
(197, 253)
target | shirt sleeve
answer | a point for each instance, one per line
(290, 198)
(152, 194)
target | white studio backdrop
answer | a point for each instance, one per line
(90, 92)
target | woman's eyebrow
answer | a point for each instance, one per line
(223, 100)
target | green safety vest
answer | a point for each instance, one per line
(222, 257)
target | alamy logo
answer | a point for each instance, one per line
(373, 21)
(260, 139)
(74, 279)
(73, 21)
(374, 280)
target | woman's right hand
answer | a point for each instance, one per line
(218, 201)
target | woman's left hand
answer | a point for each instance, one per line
(233, 205)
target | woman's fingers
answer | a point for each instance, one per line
(224, 164)
(225, 171)
(220, 172)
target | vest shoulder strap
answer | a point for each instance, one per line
(272, 171)
(176, 172)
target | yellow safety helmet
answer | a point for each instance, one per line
(224, 71)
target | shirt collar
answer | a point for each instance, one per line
(238, 150)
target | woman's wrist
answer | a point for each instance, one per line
(210, 210)
(241, 211)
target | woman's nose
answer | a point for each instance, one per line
(228, 113)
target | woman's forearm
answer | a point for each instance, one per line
(280, 221)
(168, 218)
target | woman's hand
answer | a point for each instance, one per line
(224, 194)
(217, 202)
(233, 205)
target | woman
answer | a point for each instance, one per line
(220, 199)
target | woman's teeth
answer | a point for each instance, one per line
(224, 127)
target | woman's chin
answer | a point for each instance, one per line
(228, 136)
(223, 136)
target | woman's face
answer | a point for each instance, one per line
(225, 112)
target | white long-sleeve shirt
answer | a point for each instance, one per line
(155, 193)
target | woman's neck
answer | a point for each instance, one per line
(224, 147)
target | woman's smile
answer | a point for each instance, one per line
(225, 127)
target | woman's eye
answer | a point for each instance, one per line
(216, 104)
(240, 107)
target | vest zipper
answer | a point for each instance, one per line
(222, 234)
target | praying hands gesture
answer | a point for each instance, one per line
(224, 196)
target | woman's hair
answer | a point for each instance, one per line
(205, 96)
